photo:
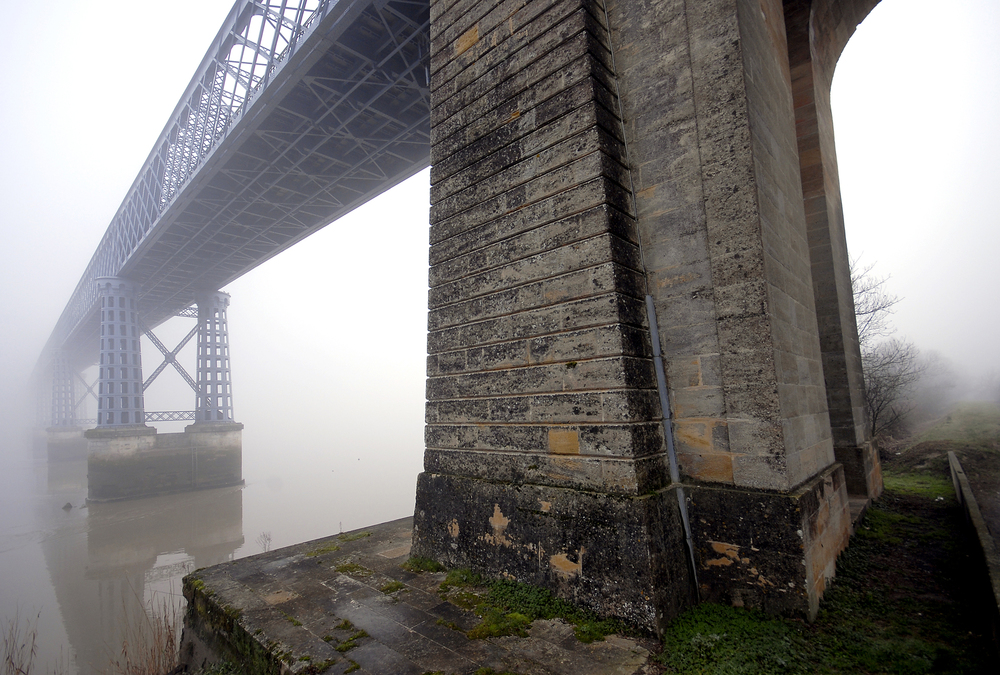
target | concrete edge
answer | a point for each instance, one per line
(963, 491)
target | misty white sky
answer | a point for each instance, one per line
(328, 345)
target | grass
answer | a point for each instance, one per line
(392, 587)
(971, 422)
(921, 484)
(150, 643)
(20, 644)
(905, 600)
(509, 608)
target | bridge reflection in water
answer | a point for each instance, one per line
(109, 561)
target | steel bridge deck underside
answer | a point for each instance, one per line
(342, 118)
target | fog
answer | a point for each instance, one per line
(915, 97)
(328, 339)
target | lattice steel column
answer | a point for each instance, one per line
(215, 395)
(120, 401)
(63, 393)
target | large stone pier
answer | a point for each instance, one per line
(615, 187)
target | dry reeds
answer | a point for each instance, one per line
(19, 644)
(149, 642)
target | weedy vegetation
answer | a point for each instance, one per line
(509, 608)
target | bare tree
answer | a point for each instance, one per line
(891, 366)
(872, 303)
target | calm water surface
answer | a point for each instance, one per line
(88, 570)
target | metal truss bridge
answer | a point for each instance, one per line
(301, 111)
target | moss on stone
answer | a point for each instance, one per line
(326, 548)
(354, 570)
(353, 537)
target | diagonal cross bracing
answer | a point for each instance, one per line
(301, 111)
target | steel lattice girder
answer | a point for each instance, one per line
(170, 416)
(301, 111)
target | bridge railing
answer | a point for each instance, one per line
(255, 38)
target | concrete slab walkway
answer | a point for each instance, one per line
(344, 604)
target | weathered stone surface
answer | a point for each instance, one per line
(285, 611)
(817, 32)
(624, 556)
(770, 550)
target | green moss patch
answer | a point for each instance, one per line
(392, 587)
(353, 537)
(326, 548)
(351, 642)
(354, 570)
(509, 608)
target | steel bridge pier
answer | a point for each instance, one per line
(126, 458)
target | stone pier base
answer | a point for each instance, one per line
(133, 462)
(770, 550)
(65, 444)
(619, 555)
(625, 556)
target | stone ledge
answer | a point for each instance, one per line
(987, 543)
(283, 612)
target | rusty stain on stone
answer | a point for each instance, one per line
(499, 524)
(280, 597)
(563, 442)
(466, 40)
(694, 433)
(730, 553)
(666, 282)
(565, 567)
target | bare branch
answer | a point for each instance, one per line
(872, 303)
(891, 368)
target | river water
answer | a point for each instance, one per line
(83, 572)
